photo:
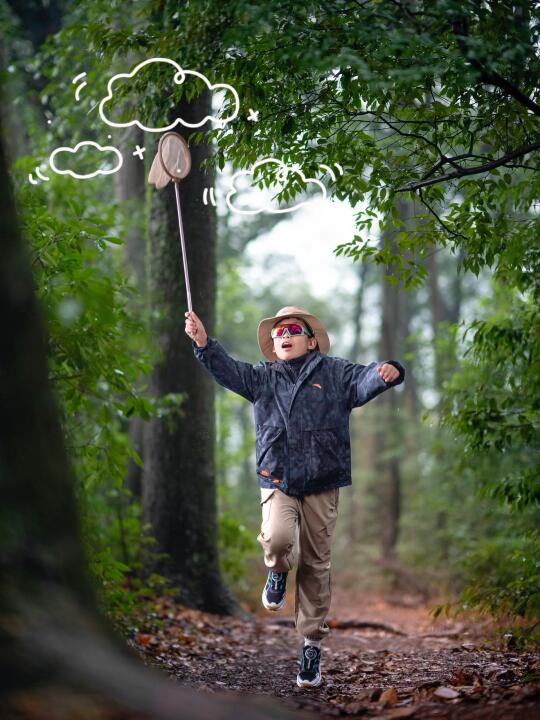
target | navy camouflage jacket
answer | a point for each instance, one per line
(302, 427)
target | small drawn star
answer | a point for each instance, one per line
(139, 151)
(253, 115)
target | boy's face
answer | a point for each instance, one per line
(288, 348)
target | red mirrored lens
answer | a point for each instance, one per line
(293, 328)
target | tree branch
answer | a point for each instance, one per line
(439, 219)
(476, 170)
(491, 76)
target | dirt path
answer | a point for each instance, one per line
(425, 669)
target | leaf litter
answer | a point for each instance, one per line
(413, 669)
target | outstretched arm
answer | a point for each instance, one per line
(391, 372)
(240, 377)
(365, 382)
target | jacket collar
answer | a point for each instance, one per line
(312, 361)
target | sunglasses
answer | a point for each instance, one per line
(291, 329)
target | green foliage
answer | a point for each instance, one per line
(465, 542)
(99, 348)
(510, 572)
(418, 106)
(493, 402)
(237, 544)
(509, 569)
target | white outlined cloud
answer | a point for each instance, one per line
(178, 78)
(56, 154)
(283, 172)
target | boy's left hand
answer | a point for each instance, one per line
(388, 372)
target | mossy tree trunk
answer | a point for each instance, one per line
(179, 487)
(130, 191)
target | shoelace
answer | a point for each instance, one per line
(310, 658)
(278, 579)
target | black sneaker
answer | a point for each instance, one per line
(273, 595)
(310, 667)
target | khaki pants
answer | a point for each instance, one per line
(298, 531)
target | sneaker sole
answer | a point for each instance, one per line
(307, 684)
(273, 607)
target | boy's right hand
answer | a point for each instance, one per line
(195, 329)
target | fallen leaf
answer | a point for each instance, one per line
(478, 685)
(389, 697)
(399, 713)
(144, 639)
(446, 693)
(353, 708)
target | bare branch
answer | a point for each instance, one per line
(415, 135)
(439, 219)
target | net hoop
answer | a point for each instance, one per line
(181, 150)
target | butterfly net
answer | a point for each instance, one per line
(172, 160)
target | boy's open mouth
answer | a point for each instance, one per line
(286, 345)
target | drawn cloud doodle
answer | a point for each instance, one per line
(178, 77)
(63, 156)
(257, 203)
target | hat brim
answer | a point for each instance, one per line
(266, 343)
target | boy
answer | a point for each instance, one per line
(302, 400)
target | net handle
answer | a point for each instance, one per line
(183, 245)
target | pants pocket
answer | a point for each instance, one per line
(333, 514)
(266, 501)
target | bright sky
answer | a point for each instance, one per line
(310, 236)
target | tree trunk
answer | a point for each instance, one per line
(438, 312)
(130, 191)
(179, 488)
(37, 21)
(443, 310)
(387, 438)
(411, 401)
(354, 519)
(130, 188)
(356, 345)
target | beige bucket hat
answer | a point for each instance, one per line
(267, 344)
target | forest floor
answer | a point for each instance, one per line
(398, 662)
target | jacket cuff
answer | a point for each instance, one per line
(400, 368)
(200, 352)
